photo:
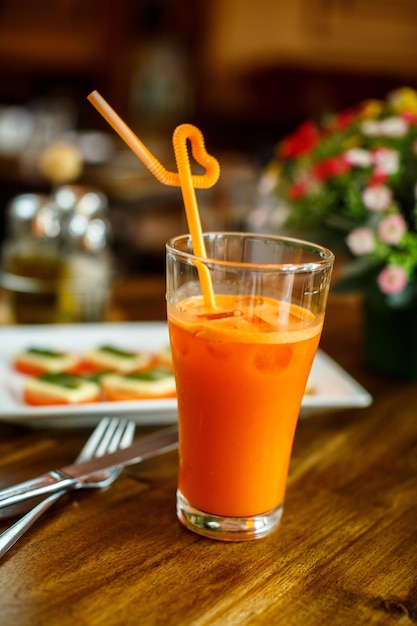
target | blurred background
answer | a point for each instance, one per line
(244, 72)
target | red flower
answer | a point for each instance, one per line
(377, 179)
(410, 117)
(329, 168)
(345, 118)
(300, 143)
(298, 190)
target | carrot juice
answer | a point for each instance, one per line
(245, 322)
(241, 372)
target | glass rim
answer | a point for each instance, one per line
(305, 266)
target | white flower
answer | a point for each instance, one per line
(361, 241)
(393, 127)
(370, 128)
(260, 216)
(267, 183)
(386, 161)
(359, 157)
(377, 197)
(389, 127)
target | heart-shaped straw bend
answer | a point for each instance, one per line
(183, 178)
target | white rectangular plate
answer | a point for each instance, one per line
(332, 387)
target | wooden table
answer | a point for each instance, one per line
(345, 553)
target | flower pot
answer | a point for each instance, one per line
(390, 335)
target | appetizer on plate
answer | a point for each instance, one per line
(36, 361)
(153, 383)
(113, 359)
(59, 388)
(104, 373)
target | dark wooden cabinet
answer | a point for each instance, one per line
(46, 45)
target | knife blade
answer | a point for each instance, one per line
(67, 477)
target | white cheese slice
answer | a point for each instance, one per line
(138, 387)
(108, 360)
(56, 363)
(85, 391)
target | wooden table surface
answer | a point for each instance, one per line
(345, 553)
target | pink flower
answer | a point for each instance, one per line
(377, 198)
(392, 228)
(392, 279)
(361, 241)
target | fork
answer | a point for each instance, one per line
(109, 435)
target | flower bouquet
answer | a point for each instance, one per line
(356, 172)
(352, 179)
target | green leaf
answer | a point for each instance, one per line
(44, 352)
(62, 380)
(150, 375)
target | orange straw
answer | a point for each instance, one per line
(184, 178)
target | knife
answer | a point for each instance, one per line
(67, 477)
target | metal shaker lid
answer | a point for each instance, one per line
(80, 199)
(33, 214)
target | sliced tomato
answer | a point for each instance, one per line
(84, 368)
(27, 368)
(35, 398)
(30, 369)
(116, 395)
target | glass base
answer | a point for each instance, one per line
(227, 528)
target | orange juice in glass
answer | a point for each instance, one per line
(241, 366)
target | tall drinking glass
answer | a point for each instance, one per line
(241, 368)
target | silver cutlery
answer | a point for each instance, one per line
(80, 475)
(109, 435)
